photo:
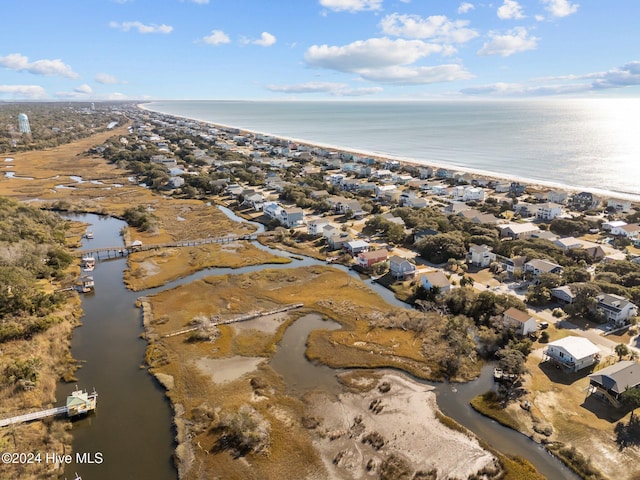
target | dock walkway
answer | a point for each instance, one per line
(122, 250)
(79, 402)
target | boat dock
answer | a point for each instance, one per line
(122, 250)
(78, 403)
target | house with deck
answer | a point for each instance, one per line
(538, 266)
(367, 259)
(518, 231)
(572, 353)
(612, 381)
(617, 309)
(401, 268)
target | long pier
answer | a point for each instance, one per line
(241, 318)
(123, 250)
(78, 402)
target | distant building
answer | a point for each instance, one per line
(23, 124)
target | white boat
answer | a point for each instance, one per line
(88, 263)
(88, 234)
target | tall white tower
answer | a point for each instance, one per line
(23, 123)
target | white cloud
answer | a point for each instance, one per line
(333, 88)
(627, 75)
(370, 54)
(560, 8)
(106, 79)
(465, 7)
(141, 27)
(514, 41)
(351, 5)
(510, 10)
(217, 37)
(386, 61)
(402, 75)
(31, 92)
(49, 68)
(266, 40)
(84, 88)
(437, 27)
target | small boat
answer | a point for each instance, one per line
(88, 234)
(87, 284)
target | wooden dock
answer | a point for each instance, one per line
(78, 403)
(122, 250)
(241, 318)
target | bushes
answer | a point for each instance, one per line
(140, 218)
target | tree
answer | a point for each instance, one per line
(621, 350)
(511, 361)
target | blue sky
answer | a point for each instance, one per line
(318, 49)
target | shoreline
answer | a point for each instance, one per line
(381, 156)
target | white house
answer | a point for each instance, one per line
(549, 211)
(619, 205)
(291, 217)
(315, 227)
(271, 209)
(473, 194)
(572, 353)
(480, 255)
(617, 309)
(609, 226)
(521, 321)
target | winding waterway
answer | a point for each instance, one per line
(132, 427)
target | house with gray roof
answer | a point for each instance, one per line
(611, 382)
(617, 309)
(401, 268)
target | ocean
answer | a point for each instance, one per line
(590, 144)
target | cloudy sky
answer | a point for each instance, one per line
(318, 49)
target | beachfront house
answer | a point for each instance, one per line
(572, 353)
(549, 211)
(617, 309)
(401, 268)
(612, 381)
(619, 205)
(522, 322)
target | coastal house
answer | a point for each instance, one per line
(473, 194)
(612, 225)
(401, 268)
(517, 231)
(435, 280)
(367, 259)
(338, 240)
(572, 353)
(355, 247)
(563, 293)
(314, 227)
(549, 211)
(612, 381)
(557, 196)
(271, 210)
(539, 266)
(291, 217)
(617, 309)
(480, 255)
(631, 231)
(619, 205)
(584, 201)
(523, 323)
